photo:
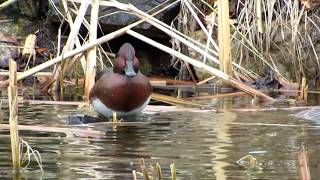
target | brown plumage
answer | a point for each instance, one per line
(126, 88)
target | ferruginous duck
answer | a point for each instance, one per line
(125, 90)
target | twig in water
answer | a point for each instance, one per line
(28, 154)
(173, 171)
(159, 171)
(156, 171)
(248, 161)
(144, 170)
(303, 163)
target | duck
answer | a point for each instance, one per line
(124, 90)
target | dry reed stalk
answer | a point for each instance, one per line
(158, 83)
(70, 66)
(7, 3)
(81, 49)
(69, 19)
(83, 61)
(198, 64)
(273, 109)
(29, 49)
(303, 89)
(144, 169)
(303, 164)
(38, 74)
(29, 46)
(235, 94)
(59, 74)
(92, 53)
(247, 37)
(159, 171)
(171, 81)
(134, 175)
(173, 100)
(259, 16)
(165, 28)
(204, 29)
(206, 80)
(125, 7)
(305, 95)
(172, 32)
(37, 102)
(211, 24)
(68, 54)
(173, 171)
(274, 125)
(13, 119)
(224, 38)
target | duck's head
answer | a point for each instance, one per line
(127, 63)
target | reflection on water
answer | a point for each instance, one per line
(202, 145)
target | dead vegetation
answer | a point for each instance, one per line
(278, 35)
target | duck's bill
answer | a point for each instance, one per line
(129, 69)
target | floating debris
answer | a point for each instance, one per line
(28, 154)
(156, 171)
(248, 161)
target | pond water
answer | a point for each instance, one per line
(201, 145)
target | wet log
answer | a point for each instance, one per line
(68, 131)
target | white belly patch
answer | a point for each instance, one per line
(107, 112)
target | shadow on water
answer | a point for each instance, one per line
(202, 145)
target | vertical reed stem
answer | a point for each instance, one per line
(159, 171)
(13, 107)
(91, 57)
(259, 16)
(173, 171)
(134, 175)
(224, 37)
(303, 163)
(303, 89)
(59, 71)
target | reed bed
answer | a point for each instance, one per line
(278, 35)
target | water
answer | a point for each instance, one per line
(202, 145)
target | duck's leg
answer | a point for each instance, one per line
(114, 117)
(115, 121)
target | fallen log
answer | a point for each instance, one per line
(68, 131)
